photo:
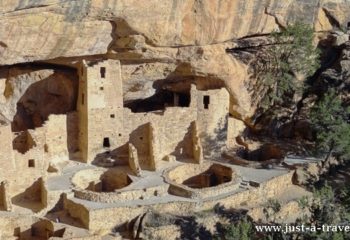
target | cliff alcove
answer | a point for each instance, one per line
(110, 109)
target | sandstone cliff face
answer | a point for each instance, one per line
(176, 40)
(31, 94)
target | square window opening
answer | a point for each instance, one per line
(31, 163)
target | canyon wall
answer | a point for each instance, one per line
(156, 40)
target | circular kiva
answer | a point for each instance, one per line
(201, 180)
(111, 186)
(101, 180)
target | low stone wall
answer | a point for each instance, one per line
(112, 197)
(255, 196)
(175, 176)
(184, 191)
(94, 219)
(12, 225)
(53, 200)
(77, 211)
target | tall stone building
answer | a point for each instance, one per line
(100, 108)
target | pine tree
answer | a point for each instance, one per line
(330, 121)
(287, 63)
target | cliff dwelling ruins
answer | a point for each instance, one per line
(146, 119)
(104, 157)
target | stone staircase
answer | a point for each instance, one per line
(244, 184)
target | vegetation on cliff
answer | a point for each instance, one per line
(330, 121)
(289, 60)
(327, 207)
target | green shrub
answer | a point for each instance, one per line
(289, 60)
(330, 121)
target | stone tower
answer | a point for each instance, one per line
(100, 108)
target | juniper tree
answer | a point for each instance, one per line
(330, 120)
(289, 60)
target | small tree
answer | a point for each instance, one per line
(284, 66)
(271, 208)
(243, 230)
(330, 121)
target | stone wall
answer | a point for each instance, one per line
(255, 196)
(44, 193)
(99, 105)
(246, 198)
(56, 137)
(213, 108)
(235, 129)
(6, 153)
(5, 203)
(47, 142)
(13, 224)
(172, 127)
(32, 166)
(170, 130)
(133, 160)
(78, 211)
(178, 175)
(121, 195)
(102, 118)
(196, 144)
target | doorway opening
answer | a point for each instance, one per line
(206, 101)
(106, 143)
(103, 72)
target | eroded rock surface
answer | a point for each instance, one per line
(167, 39)
(85, 75)
(31, 93)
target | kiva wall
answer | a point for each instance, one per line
(251, 197)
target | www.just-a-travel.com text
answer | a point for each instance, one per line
(286, 228)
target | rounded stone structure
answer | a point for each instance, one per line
(101, 180)
(112, 185)
(201, 180)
